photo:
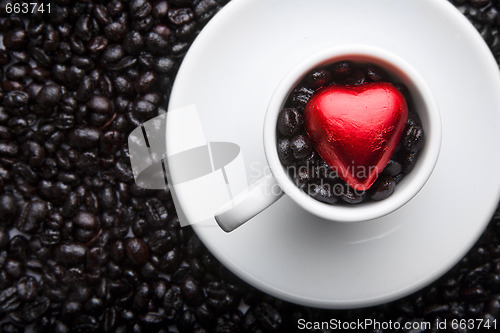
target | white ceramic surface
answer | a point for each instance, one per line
(230, 73)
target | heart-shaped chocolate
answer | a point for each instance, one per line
(356, 129)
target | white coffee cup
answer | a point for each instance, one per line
(267, 190)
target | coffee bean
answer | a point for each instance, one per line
(301, 146)
(144, 109)
(133, 42)
(100, 104)
(8, 149)
(393, 168)
(323, 192)
(137, 250)
(15, 40)
(97, 44)
(382, 188)
(27, 288)
(70, 253)
(9, 300)
(342, 68)
(156, 43)
(351, 196)
(85, 137)
(31, 216)
(413, 138)
(180, 16)
(86, 220)
(83, 28)
(113, 53)
(285, 152)
(49, 96)
(300, 96)
(290, 122)
(319, 78)
(101, 15)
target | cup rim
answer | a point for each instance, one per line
(411, 183)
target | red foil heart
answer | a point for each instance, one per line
(356, 129)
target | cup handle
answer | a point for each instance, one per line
(245, 205)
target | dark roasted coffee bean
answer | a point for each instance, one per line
(118, 251)
(408, 161)
(122, 64)
(357, 77)
(300, 96)
(413, 138)
(375, 74)
(32, 215)
(146, 60)
(393, 168)
(285, 152)
(143, 24)
(70, 253)
(382, 188)
(100, 104)
(34, 310)
(145, 82)
(15, 39)
(25, 172)
(319, 78)
(137, 250)
(268, 317)
(9, 300)
(301, 146)
(351, 196)
(14, 268)
(342, 68)
(191, 291)
(16, 72)
(39, 74)
(33, 89)
(18, 247)
(133, 42)
(156, 43)
(86, 220)
(113, 53)
(323, 192)
(180, 16)
(27, 288)
(85, 137)
(84, 63)
(20, 56)
(8, 148)
(49, 96)
(205, 9)
(97, 44)
(101, 14)
(140, 8)
(83, 28)
(171, 260)
(290, 121)
(16, 99)
(144, 109)
(115, 31)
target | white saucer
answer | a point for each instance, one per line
(230, 73)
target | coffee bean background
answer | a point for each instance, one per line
(82, 248)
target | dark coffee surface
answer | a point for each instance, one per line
(82, 249)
